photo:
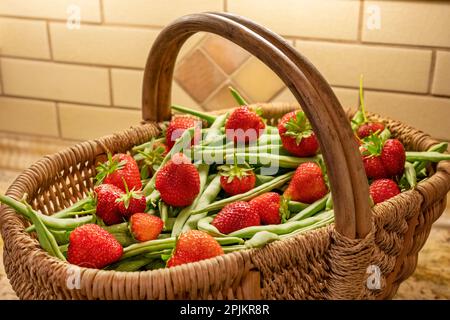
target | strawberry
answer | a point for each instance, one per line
(107, 208)
(177, 127)
(193, 246)
(308, 184)
(244, 125)
(118, 168)
(92, 247)
(374, 167)
(235, 216)
(393, 157)
(144, 226)
(131, 202)
(297, 135)
(383, 189)
(270, 206)
(236, 179)
(369, 128)
(178, 181)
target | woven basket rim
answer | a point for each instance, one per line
(19, 182)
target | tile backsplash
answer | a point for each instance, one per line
(82, 83)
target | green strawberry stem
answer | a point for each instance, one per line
(148, 144)
(184, 139)
(311, 210)
(361, 98)
(202, 115)
(426, 156)
(275, 183)
(236, 95)
(203, 170)
(45, 237)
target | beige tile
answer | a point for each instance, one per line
(408, 22)
(223, 99)
(198, 76)
(86, 122)
(190, 44)
(285, 96)
(181, 97)
(258, 82)
(52, 9)
(429, 114)
(321, 18)
(24, 38)
(118, 46)
(225, 53)
(127, 87)
(382, 67)
(160, 13)
(28, 116)
(57, 81)
(441, 79)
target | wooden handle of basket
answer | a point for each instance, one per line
(339, 148)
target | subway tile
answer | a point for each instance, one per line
(257, 81)
(51, 9)
(118, 46)
(407, 22)
(181, 97)
(226, 54)
(24, 38)
(127, 87)
(222, 99)
(441, 79)
(154, 12)
(306, 18)
(426, 113)
(57, 81)
(383, 68)
(28, 116)
(198, 75)
(88, 122)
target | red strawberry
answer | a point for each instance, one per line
(177, 127)
(296, 134)
(366, 129)
(393, 157)
(193, 246)
(235, 216)
(374, 167)
(178, 181)
(383, 189)
(107, 208)
(92, 247)
(237, 179)
(118, 168)
(244, 125)
(270, 206)
(131, 202)
(307, 185)
(144, 226)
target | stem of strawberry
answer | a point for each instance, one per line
(361, 98)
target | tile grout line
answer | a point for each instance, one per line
(225, 5)
(102, 12)
(360, 21)
(432, 70)
(49, 38)
(58, 120)
(110, 84)
(2, 86)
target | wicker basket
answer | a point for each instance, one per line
(328, 263)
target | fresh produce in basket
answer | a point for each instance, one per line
(160, 205)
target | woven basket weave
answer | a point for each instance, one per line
(328, 263)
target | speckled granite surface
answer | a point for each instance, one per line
(431, 279)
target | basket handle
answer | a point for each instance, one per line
(345, 169)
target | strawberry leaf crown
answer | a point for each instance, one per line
(298, 127)
(284, 209)
(153, 155)
(128, 195)
(372, 145)
(234, 170)
(360, 116)
(110, 166)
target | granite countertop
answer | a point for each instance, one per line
(431, 280)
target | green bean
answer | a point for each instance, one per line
(220, 153)
(421, 165)
(205, 225)
(295, 206)
(155, 264)
(214, 130)
(184, 140)
(45, 237)
(202, 115)
(225, 241)
(61, 236)
(164, 213)
(264, 139)
(268, 186)
(329, 203)
(131, 264)
(238, 247)
(410, 175)
(311, 209)
(158, 254)
(63, 248)
(148, 144)
(279, 228)
(426, 156)
(261, 179)
(239, 99)
(184, 214)
(329, 219)
(147, 247)
(261, 238)
(209, 194)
